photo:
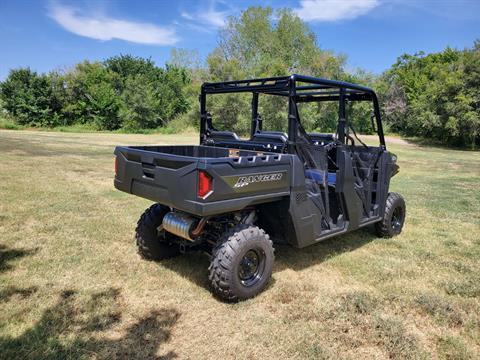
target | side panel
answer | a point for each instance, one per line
(346, 188)
(305, 216)
(237, 177)
(383, 182)
(243, 181)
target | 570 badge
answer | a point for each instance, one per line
(259, 181)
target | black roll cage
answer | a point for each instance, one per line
(299, 89)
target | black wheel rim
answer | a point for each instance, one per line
(397, 219)
(251, 267)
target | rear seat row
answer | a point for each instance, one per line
(269, 137)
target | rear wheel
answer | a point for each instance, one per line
(153, 244)
(393, 218)
(242, 263)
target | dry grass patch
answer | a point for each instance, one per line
(72, 286)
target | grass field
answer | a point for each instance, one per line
(72, 286)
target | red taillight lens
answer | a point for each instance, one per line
(204, 184)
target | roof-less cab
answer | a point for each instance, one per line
(235, 198)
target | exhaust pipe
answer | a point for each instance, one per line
(183, 225)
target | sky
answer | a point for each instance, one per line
(56, 34)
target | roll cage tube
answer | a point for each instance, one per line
(203, 115)
(342, 117)
(292, 117)
(376, 111)
(256, 123)
(317, 90)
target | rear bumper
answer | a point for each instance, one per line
(197, 208)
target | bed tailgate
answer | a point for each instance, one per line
(164, 178)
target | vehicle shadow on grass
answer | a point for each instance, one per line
(194, 266)
(72, 328)
(287, 257)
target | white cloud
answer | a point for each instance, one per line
(186, 15)
(102, 27)
(333, 10)
(209, 16)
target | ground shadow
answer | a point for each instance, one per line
(35, 148)
(194, 266)
(436, 144)
(72, 328)
(8, 255)
(287, 257)
(12, 292)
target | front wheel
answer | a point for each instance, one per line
(393, 218)
(242, 263)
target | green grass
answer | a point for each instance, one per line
(175, 126)
(72, 286)
(7, 123)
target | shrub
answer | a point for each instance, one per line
(32, 99)
(435, 96)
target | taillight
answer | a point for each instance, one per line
(116, 165)
(204, 184)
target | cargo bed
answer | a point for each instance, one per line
(169, 175)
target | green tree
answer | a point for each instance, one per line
(92, 98)
(31, 98)
(435, 96)
(153, 99)
(150, 96)
(259, 44)
(124, 67)
(139, 109)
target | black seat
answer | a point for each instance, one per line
(270, 137)
(216, 135)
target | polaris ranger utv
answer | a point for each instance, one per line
(234, 198)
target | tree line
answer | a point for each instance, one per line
(435, 96)
(120, 92)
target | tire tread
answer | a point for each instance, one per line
(383, 227)
(149, 246)
(222, 255)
